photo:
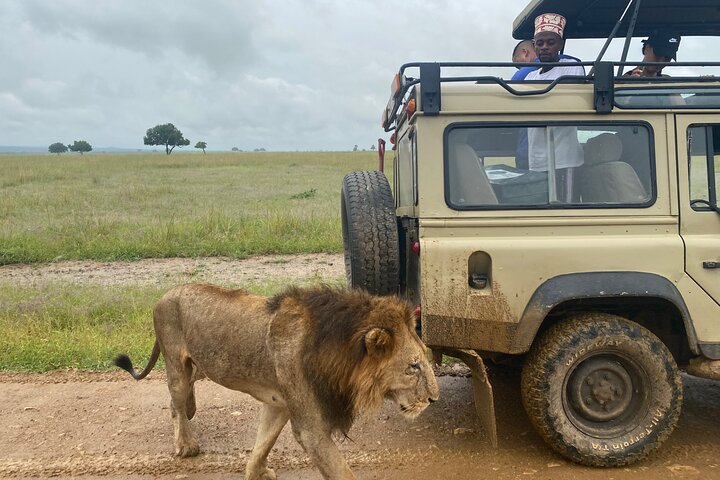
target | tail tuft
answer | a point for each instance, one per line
(124, 362)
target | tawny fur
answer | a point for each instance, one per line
(319, 357)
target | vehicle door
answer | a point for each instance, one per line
(698, 153)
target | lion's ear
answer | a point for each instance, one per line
(379, 342)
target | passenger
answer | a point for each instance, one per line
(567, 152)
(524, 52)
(661, 46)
(548, 43)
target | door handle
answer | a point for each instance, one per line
(711, 265)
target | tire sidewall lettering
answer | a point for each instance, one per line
(547, 380)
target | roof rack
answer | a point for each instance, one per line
(429, 75)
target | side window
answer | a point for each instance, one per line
(704, 159)
(548, 166)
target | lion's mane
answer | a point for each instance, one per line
(337, 364)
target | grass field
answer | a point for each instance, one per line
(130, 206)
(108, 207)
(61, 326)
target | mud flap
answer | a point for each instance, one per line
(704, 368)
(482, 391)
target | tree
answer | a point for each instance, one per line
(355, 148)
(58, 148)
(201, 145)
(166, 135)
(372, 147)
(80, 146)
(236, 149)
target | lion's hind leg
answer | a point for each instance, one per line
(191, 406)
(272, 421)
(182, 405)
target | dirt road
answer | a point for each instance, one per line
(94, 425)
(107, 426)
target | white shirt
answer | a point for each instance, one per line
(557, 72)
(568, 152)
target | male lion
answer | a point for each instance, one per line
(317, 357)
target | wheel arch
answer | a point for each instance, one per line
(629, 294)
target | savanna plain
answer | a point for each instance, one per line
(110, 208)
(89, 243)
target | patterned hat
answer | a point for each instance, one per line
(550, 22)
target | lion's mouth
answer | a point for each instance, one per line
(411, 411)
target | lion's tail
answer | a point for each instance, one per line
(124, 362)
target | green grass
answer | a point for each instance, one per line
(61, 326)
(131, 206)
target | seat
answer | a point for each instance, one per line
(469, 184)
(606, 179)
(636, 151)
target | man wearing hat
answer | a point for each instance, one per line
(661, 46)
(549, 42)
(566, 150)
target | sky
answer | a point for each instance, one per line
(283, 75)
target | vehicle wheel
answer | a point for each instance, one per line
(601, 390)
(370, 233)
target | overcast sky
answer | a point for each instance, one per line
(277, 74)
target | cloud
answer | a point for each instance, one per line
(219, 33)
(278, 74)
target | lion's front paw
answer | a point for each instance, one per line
(189, 450)
(260, 474)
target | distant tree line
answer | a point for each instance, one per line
(356, 148)
(80, 146)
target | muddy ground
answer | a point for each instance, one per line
(107, 426)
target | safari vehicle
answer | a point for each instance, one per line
(602, 299)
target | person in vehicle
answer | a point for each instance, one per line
(661, 46)
(524, 52)
(561, 142)
(549, 42)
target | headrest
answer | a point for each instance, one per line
(604, 148)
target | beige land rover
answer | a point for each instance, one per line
(603, 297)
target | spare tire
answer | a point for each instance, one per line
(370, 233)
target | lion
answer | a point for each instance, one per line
(318, 357)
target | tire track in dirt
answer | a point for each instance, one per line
(169, 271)
(92, 425)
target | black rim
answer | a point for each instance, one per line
(606, 394)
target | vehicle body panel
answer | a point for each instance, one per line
(517, 251)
